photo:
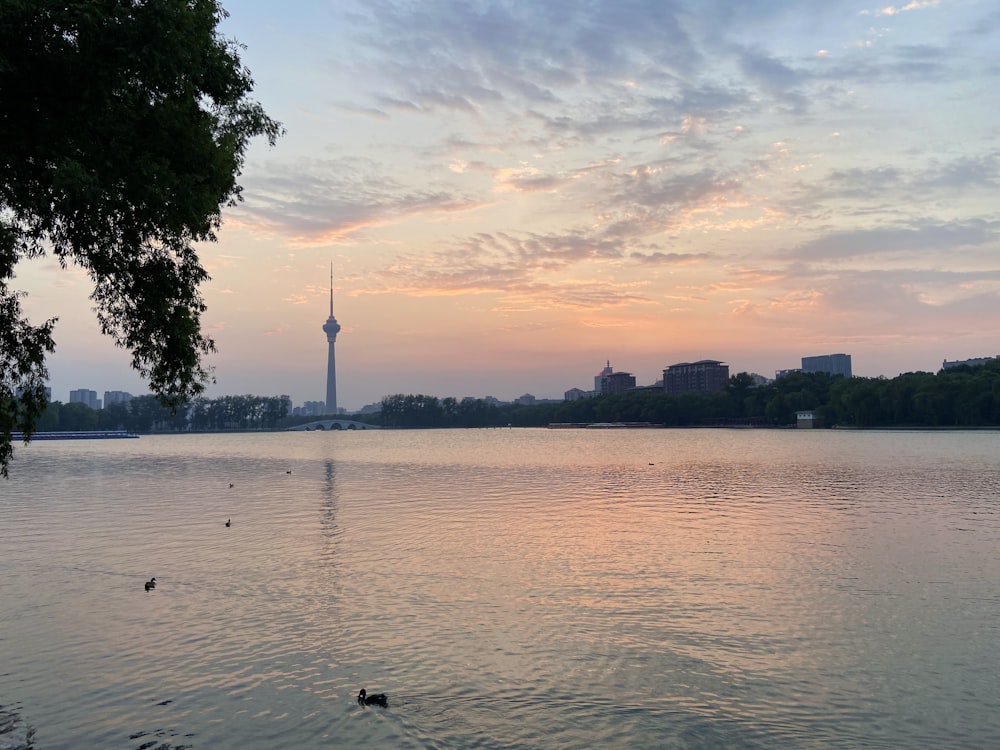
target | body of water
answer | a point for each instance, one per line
(506, 589)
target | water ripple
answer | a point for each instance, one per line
(514, 589)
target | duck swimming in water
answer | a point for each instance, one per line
(151, 583)
(378, 699)
(229, 523)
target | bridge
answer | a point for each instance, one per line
(332, 424)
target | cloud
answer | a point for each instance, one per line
(525, 271)
(669, 259)
(938, 238)
(321, 202)
(893, 10)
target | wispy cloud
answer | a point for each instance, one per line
(789, 165)
(326, 202)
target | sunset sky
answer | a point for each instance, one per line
(513, 192)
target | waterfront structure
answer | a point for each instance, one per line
(832, 364)
(805, 420)
(85, 396)
(975, 362)
(706, 375)
(331, 328)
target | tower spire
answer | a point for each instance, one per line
(331, 288)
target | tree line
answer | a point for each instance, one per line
(147, 414)
(962, 396)
(958, 397)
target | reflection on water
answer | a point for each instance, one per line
(506, 588)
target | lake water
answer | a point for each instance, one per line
(506, 589)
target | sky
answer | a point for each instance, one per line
(513, 193)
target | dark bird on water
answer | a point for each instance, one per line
(378, 699)
(151, 583)
(229, 523)
(231, 485)
(289, 471)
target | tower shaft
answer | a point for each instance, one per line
(331, 379)
(331, 328)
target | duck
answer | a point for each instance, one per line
(378, 699)
(229, 523)
(151, 583)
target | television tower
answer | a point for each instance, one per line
(331, 328)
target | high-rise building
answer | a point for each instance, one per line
(313, 408)
(617, 382)
(600, 378)
(708, 375)
(331, 328)
(609, 381)
(116, 397)
(85, 396)
(832, 364)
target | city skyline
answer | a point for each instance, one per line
(834, 364)
(514, 193)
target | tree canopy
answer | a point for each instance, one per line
(956, 397)
(124, 126)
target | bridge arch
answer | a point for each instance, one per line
(324, 425)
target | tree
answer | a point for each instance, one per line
(124, 126)
(77, 417)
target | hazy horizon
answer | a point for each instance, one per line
(512, 194)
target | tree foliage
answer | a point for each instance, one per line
(124, 126)
(958, 397)
(148, 414)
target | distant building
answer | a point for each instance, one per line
(314, 408)
(575, 394)
(609, 381)
(85, 396)
(599, 378)
(116, 397)
(706, 375)
(526, 400)
(782, 373)
(946, 365)
(617, 382)
(832, 364)
(805, 420)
